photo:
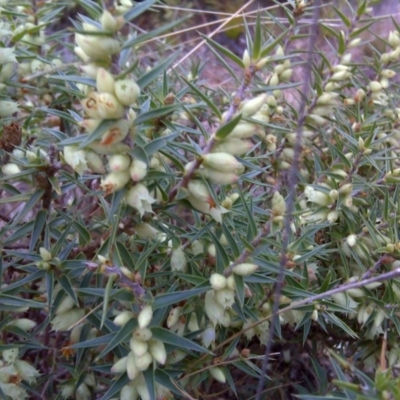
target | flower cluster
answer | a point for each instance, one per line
(12, 372)
(144, 351)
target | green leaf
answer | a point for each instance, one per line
(205, 98)
(252, 227)
(40, 221)
(222, 258)
(341, 44)
(164, 300)
(66, 284)
(138, 9)
(116, 387)
(29, 205)
(231, 240)
(268, 48)
(224, 130)
(153, 34)
(157, 113)
(340, 324)
(6, 300)
(343, 17)
(155, 73)
(104, 126)
(157, 144)
(124, 333)
(223, 50)
(150, 382)
(107, 295)
(84, 234)
(177, 341)
(257, 41)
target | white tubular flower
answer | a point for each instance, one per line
(7, 108)
(139, 198)
(7, 55)
(76, 159)
(64, 321)
(317, 197)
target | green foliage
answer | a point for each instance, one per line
(149, 222)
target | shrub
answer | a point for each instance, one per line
(165, 239)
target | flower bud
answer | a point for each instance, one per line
(143, 334)
(23, 323)
(178, 260)
(90, 69)
(273, 80)
(123, 317)
(90, 105)
(109, 23)
(131, 368)
(10, 169)
(139, 198)
(81, 54)
(222, 162)
(97, 47)
(384, 83)
(64, 321)
(7, 108)
(243, 130)
(263, 62)
(173, 316)
(218, 281)
(143, 362)
(66, 304)
(332, 217)
(375, 86)
(120, 366)
(354, 43)
(129, 392)
(94, 162)
(233, 146)
(138, 170)
(127, 91)
(278, 204)
(388, 73)
(351, 240)
(286, 75)
(145, 317)
(220, 178)
(218, 374)
(314, 315)
(105, 82)
(225, 297)
(317, 197)
(90, 124)
(379, 317)
(109, 107)
(138, 347)
(230, 282)
(250, 107)
(394, 39)
(158, 351)
(116, 134)
(340, 76)
(245, 269)
(115, 181)
(119, 162)
(145, 231)
(246, 58)
(214, 311)
(199, 190)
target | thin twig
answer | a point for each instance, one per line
(293, 179)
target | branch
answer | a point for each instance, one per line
(293, 179)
